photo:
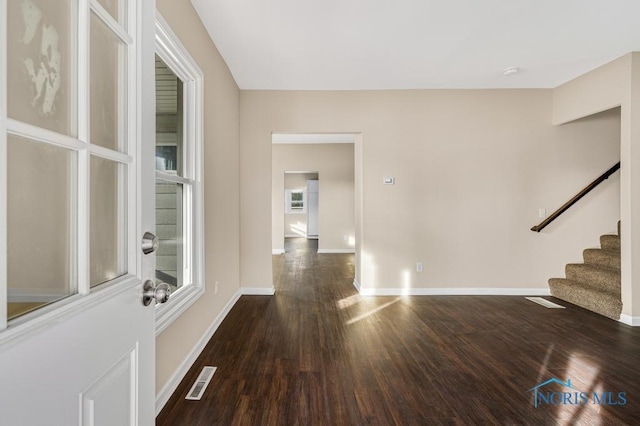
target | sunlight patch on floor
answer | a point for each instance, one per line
(406, 282)
(584, 373)
(348, 301)
(373, 311)
(543, 368)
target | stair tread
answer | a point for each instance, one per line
(595, 284)
(610, 252)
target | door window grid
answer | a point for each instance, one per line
(80, 146)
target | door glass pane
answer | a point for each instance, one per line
(107, 217)
(169, 228)
(41, 59)
(169, 120)
(40, 223)
(107, 59)
(116, 9)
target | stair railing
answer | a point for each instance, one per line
(539, 227)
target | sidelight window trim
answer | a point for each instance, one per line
(177, 58)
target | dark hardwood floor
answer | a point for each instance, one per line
(317, 353)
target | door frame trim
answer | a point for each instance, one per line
(3, 166)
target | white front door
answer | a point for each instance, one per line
(77, 346)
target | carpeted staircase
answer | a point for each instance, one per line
(594, 284)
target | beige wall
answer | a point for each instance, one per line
(221, 185)
(601, 89)
(630, 202)
(472, 167)
(615, 84)
(335, 164)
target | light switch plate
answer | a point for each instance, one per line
(389, 180)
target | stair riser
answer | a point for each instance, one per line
(606, 258)
(610, 242)
(609, 283)
(595, 301)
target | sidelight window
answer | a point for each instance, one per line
(178, 159)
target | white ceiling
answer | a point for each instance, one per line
(408, 44)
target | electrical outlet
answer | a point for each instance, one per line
(542, 213)
(215, 288)
(419, 267)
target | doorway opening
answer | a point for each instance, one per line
(301, 210)
(314, 190)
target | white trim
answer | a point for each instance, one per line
(307, 138)
(109, 154)
(82, 228)
(82, 184)
(46, 317)
(453, 291)
(177, 58)
(167, 313)
(34, 295)
(29, 131)
(356, 284)
(126, 367)
(295, 236)
(169, 177)
(172, 51)
(336, 251)
(3, 166)
(172, 384)
(82, 71)
(277, 251)
(629, 320)
(258, 291)
(106, 18)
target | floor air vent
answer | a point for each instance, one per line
(198, 388)
(544, 302)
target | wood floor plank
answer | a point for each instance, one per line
(317, 353)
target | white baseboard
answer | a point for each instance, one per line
(453, 291)
(629, 320)
(172, 384)
(340, 251)
(258, 291)
(277, 251)
(295, 235)
(356, 284)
